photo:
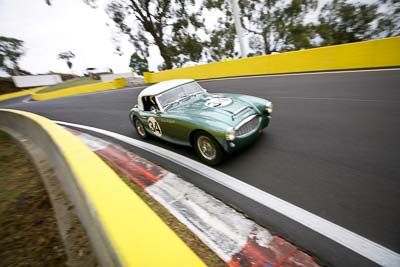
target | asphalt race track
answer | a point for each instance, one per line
(332, 148)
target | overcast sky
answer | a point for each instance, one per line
(66, 25)
(69, 25)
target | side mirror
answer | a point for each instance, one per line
(154, 111)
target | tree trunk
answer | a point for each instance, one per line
(167, 59)
(267, 49)
(15, 70)
(163, 51)
(157, 34)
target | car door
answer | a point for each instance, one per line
(166, 127)
(151, 121)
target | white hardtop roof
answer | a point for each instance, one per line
(163, 86)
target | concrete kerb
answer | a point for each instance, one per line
(115, 234)
(89, 88)
(33, 131)
(20, 93)
(236, 239)
(76, 242)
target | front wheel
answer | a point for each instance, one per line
(207, 148)
(139, 127)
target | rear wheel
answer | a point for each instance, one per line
(207, 148)
(139, 127)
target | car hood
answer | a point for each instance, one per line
(226, 108)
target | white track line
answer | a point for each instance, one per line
(335, 99)
(353, 241)
(27, 99)
(220, 227)
(298, 74)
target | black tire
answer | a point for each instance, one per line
(139, 127)
(208, 149)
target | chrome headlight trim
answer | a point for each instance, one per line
(269, 107)
(230, 134)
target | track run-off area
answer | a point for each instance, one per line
(332, 149)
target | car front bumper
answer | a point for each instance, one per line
(244, 141)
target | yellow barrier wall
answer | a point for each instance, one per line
(20, 93)
(368, 54)
(136, 234)
(90, 88)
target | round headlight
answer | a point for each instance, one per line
(269, 108)
(230, 134)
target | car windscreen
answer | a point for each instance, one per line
(179, 92)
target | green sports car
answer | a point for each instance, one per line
(182, 112)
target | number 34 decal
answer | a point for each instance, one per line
(154, 126)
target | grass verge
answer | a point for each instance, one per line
(67, 84)
(190, 239)
(28, 229)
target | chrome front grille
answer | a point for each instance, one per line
(248, 126)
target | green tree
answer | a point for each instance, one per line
(171, 25)
(92, 3)
(138, 64)
(222, 37)
(341, 22)
(11, 50)
(67, 56)
(277, 26)
(389, 21)
(222, 42)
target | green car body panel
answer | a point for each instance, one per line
(180, 122)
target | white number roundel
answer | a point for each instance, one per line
(154, 126)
